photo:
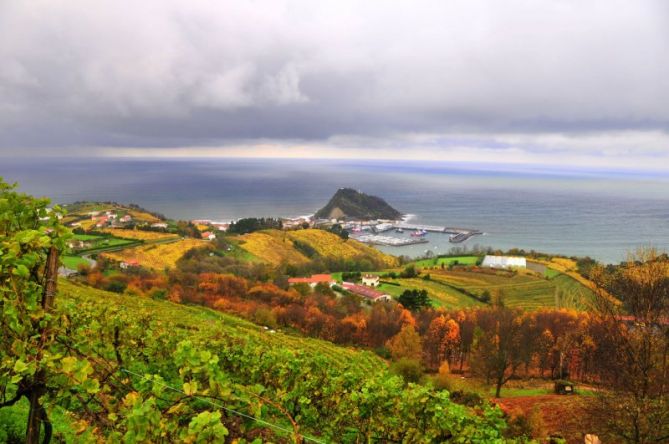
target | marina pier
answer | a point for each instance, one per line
(457, 235)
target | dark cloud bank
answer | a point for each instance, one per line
(582, 77)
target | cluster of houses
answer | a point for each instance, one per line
(220, 226)
(109, 219)
(367, 289)
(209, 235)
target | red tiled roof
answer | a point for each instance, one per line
(362, 290)
(314, 279)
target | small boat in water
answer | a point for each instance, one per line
(399, 230)
(419, 233)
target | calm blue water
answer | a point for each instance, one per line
(603, 215)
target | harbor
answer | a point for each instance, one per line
(416, 232)
(389, 241)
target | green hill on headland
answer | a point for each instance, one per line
(348, 203)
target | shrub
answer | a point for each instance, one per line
(409, 272)
(411, 370)
(265, 316)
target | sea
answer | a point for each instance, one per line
(575, 212)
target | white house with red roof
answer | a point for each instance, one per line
(208, 235)
(129, 264)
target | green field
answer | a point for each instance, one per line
(87, 237)
(109, 243)
(550, 273)
(73, 262)
(442, 295)
(446, 261)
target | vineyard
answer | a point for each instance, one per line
(272, 247)
(157, 371)
(330, 245)
(464, 288)
(276, 247)
(156, 256)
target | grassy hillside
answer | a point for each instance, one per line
(327, 244)
(276, 247)
(442, 295)
(156, 256)
(273, 247)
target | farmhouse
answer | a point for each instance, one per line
(129, 264)
(207, 235)
(159, 225)
(371, 280)
(504, 262)
(366, 292)
(102, 221)
(127, 218)
(314, 280)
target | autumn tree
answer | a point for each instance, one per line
(442, 340)
(405, 344)
(634, 404)
(497, 352)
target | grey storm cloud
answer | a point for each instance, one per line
(160, 73)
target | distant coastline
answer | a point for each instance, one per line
(576, 215)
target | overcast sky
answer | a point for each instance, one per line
(577, 82)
